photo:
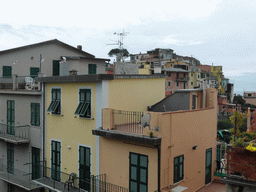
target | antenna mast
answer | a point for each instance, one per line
(120, 44)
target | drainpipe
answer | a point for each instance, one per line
(203, 94)
(158, 167)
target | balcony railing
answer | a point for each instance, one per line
(15, 134)
(15, 82)
(17, 177)
(128, 121)
(182, 78)
(54, 179)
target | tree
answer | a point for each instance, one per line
(238, 99)
(224, 124)
(237, 119)
(117, 51)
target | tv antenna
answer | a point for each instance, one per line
(120, 43)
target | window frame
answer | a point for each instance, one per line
(177, 84)
(177, 179)
(53, 102)
(59, 141)
(79, 103)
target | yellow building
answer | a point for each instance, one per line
(217, 72)
(74, 108)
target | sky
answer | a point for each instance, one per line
(218, 32)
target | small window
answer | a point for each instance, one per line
(249, 95)
(178, 84)
(191, 83)
(92, 69)
(198, 76)
(178, 168)
(84, 107)
(34, 71)
(191, 74)
(35, 114)
(7, 71)
(169, 83)
(54, 107)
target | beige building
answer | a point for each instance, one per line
(175, 149)
(250, 97)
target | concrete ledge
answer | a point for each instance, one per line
(142, 139)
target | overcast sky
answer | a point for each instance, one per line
(221, 32)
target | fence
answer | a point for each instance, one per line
(17, 132)
(128, 121)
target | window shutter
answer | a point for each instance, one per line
(37, 114)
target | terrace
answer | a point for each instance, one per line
(15, 134)
(124, 125)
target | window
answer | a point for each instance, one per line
(10, 157)
(54, 107)
(194, 102)
(202, 75)
(84, 107)
(35, 114)
(34, 71)
(10, 188)
(178, 84)
(198, 76)
(138, 178)
(7, 71)
(191, 83)
(10, 117)
(84, 167)
(191, 74)
(55, 68)
(92, 69)
(249, 95)
(55, 160)
(169, 83)
(178, 168)
(35, 163)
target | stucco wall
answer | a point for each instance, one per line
(23, 61)
(135, 94)
(69, 128)
(114, 156)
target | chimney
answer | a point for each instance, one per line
(79, 47)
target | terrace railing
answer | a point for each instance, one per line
(56, 179)
(128, 121)
(15, 134)
(14, 82)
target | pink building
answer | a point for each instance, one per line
(177, 79)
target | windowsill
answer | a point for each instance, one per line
(91, 118)
(55, 114)
(179, 182)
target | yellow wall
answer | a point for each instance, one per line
(144, 71)
(70, 130)
(114, 158)
(135, 94)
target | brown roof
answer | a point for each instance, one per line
(207, 68)
(55, 41)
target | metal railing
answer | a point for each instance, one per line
(58, 180)
(220, 169)
(128, 121)
(16, 176)
(14, 82)
(15, 132)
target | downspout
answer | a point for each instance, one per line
(158, 168)
(44, 121)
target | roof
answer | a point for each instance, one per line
(207, 68)
(93, 78)
(79, 57)
(175, 70)
(53, 41)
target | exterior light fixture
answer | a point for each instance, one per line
(194, 147)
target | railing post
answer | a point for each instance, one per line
(14, 82)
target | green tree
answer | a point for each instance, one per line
(237, 119)
(224, 124)
(238, 99)
(114, 52)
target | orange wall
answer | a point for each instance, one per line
(114, 161)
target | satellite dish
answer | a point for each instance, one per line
(145, 121)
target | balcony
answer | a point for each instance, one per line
(56, 180)
(18, 83)
(17, 177)
(124, 125)
(15, 134)
(182, 79)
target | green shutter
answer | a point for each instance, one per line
(55, 68)
(33, 114)
(37, 111)
(92, 68)
(34, 71)
(7, 71)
